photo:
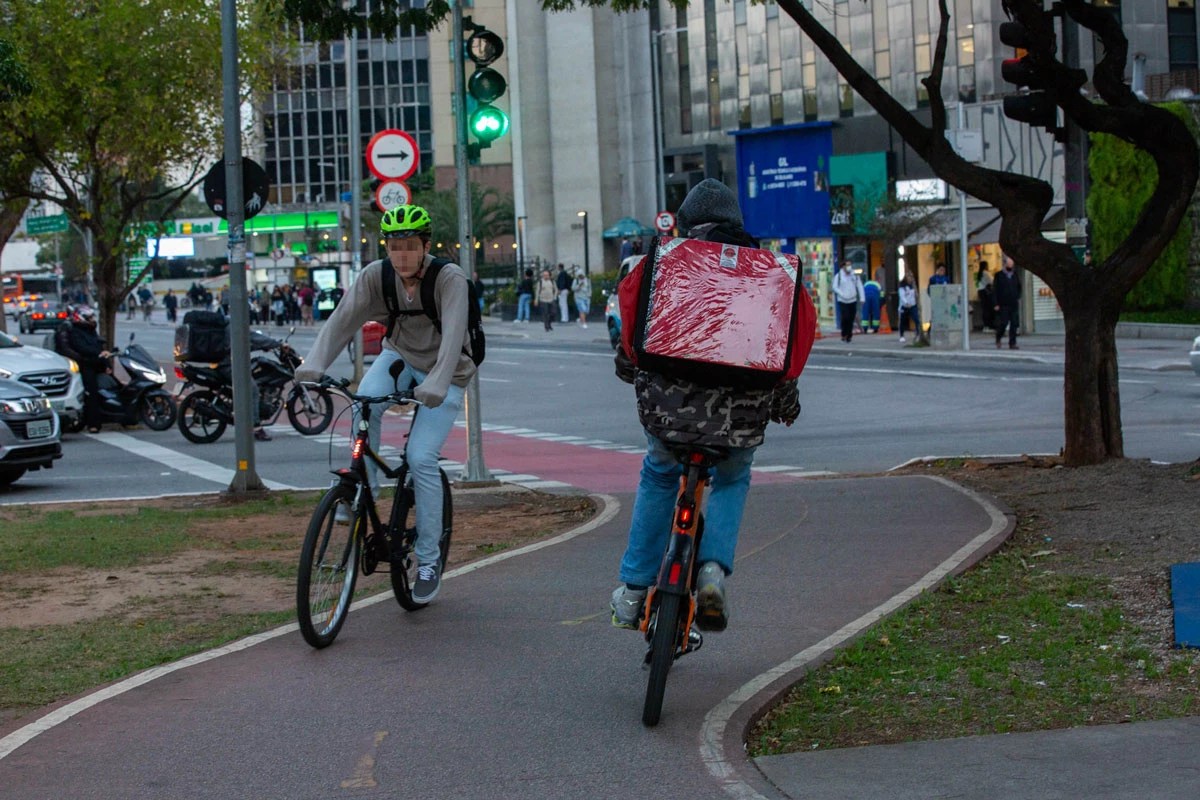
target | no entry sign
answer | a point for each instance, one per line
(392, 155)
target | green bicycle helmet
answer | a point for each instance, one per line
(404, 221)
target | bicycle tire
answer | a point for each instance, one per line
(198, 422)
(158, 410)
(662, 655)
(320, 613)
(402, 572)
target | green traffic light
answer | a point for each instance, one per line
(488, 123)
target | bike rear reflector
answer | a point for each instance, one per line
(674, 574)
(684, 518)
(356, 450)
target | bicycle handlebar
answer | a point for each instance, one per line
(342, 388)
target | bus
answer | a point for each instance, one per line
(21, 287)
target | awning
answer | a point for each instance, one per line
(627, 226)
(991, 232)
(943, 225)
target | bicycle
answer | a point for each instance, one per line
(670, 610)
(335, 552)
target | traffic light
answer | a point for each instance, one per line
(1036, 107)
(485, 121)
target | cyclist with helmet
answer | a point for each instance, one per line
(77, 339)
(436, 365)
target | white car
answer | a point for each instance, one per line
(55, 376)
(612, 309)
(1195, 355)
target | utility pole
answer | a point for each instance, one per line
(355, 152)
(475, 470)
(1075, 157)
(245, 478)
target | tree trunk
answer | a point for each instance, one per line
(1091, 398)
(108, 297)
(10, 218)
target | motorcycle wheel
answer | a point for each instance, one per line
(312, 415)
(158, 411)
(198, 421)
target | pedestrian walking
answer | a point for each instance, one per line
(848, 292)
(909, 309)
(1006, 296)
(171, 304)
(582, 287)
(479, 287)
(524, 297)
(547, 290)
(563, 282)
(872, 302)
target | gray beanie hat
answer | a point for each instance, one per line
(709, 201)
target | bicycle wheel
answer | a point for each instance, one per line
(662, 655)
(198, 420)
(328, 569)
(404, 572)
(309, 410)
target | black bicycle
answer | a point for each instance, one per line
(346, 536)
(671, 601)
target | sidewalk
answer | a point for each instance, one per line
(1045, 348)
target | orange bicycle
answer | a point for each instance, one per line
(671, 602)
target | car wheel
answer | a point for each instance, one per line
(10, 474)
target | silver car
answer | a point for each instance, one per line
(1195, 355)
(55, 376)
(29, 431)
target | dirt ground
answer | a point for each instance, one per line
(247, 564)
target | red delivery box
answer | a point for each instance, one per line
(717, 314)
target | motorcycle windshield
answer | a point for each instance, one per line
(138, 355)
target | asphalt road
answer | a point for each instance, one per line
(513, 684)
(542, 397)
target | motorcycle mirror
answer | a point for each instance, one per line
(291, 330)
(131, 335)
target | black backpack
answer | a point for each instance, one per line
(475, 338)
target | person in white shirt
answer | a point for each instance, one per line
(848, 292)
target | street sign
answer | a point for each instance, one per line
(51, 223)
(664, 222)
(392, 155)
(256, 187)
(391, 194)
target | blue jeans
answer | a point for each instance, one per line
(655, 505)
(523, 304)
(429, 433)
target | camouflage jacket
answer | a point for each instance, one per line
(681, 412)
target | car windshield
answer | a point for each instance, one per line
(7, 341)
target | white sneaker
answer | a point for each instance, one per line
(585, 324)
(515, 321)
(901, 339)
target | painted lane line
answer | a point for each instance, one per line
(609, 509)
(177, 461)
(712, 733)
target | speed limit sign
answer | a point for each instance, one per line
(390, 194)
(665, 221)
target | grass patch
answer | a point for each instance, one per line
(40, 666)
(1010, 646)
(34, 540)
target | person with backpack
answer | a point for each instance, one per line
(848, 292)
(679, 411)
(433, 329)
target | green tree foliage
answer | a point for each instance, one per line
(14, 79)
(1123, 178)
(491, 216)
(126, 118)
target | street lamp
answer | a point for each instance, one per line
(656, 93)
(583, 214)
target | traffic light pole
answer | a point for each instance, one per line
(475, 470)
(1075, 157)
(245, 478)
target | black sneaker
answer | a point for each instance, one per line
(429, 580)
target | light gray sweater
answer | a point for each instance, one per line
(416, 340)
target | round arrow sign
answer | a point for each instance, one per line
(664, 221)
(390, 194)
(392, 155)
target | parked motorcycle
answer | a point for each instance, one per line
(143, 397)
(207, 405)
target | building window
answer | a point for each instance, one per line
(846, 97)
(1181, 35)
(712, 65)
(685, 73)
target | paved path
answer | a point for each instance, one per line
(513, 684)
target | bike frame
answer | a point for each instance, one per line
(677, 574)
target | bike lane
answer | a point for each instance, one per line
(513, 684)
